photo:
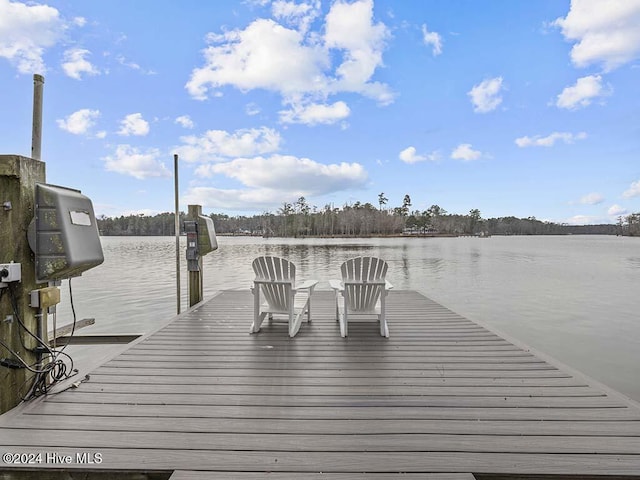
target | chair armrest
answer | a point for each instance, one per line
(307, 284)
(272, 282)
(336, 285)
(387, 285)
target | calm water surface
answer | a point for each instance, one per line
(573, 297)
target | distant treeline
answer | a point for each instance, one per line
(363, 220)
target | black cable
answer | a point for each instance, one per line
(73, 326)
(23, 364)
(56, 369)
(14, 304)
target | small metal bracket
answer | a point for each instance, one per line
(6, 206)
(191, 229)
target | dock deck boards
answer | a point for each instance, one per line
(442, 396)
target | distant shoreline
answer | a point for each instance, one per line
(362, 222)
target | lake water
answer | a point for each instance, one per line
(572, 297)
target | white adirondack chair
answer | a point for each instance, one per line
(276, 280)
(362, 291)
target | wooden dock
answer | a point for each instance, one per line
(443, 399)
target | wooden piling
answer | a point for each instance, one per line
(195, 276)
(18, 176)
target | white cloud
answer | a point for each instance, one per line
(350, 28)
(26, 31)
(295, 63)
(133, 65)
(265, 55)
(289, 173)
(486, 95)
(75, 64)
(79, 21)
(432, 38)
(409, 155)
(633, 190)
(129, 160)
(80, 122)
(185, 121)
(616, 211)
(252, 109)
(606, 33)
(101, 134)
(214, 145)
(236, 199)
(465, 152)
(582, 93)
(273, 180)
(592, 199)
(134, 124)
(549, 140)
(299, 15)
(315, 114)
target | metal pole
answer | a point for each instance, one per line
(177, 227)
(36, 133)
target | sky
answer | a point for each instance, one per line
(515, 108)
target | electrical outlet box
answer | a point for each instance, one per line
(207, 240)
(45, 297)
(63, 234)
(9, 272)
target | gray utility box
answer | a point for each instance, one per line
(64, 234)
(207, 240)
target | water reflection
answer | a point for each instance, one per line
(634, 262)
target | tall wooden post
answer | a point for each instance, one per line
(36, 131)
(195, 269)
(18, 176)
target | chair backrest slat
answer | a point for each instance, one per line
(363, 279)
(275, 269)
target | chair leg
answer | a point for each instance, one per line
(344, 321)
(257, 321)
(384, 328)
(294, 322)
(382, 318)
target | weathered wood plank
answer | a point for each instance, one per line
(175, 378)
(265, 357)
(312, 335)
(291, 399)
(353, 391)
(407, 412)
(292, 443)
(342, 356)
(309, 364)
(212, 475)
(337, 372)
(241, 347)
(560, 428)
(353, 462)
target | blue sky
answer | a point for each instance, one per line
(524, 108)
